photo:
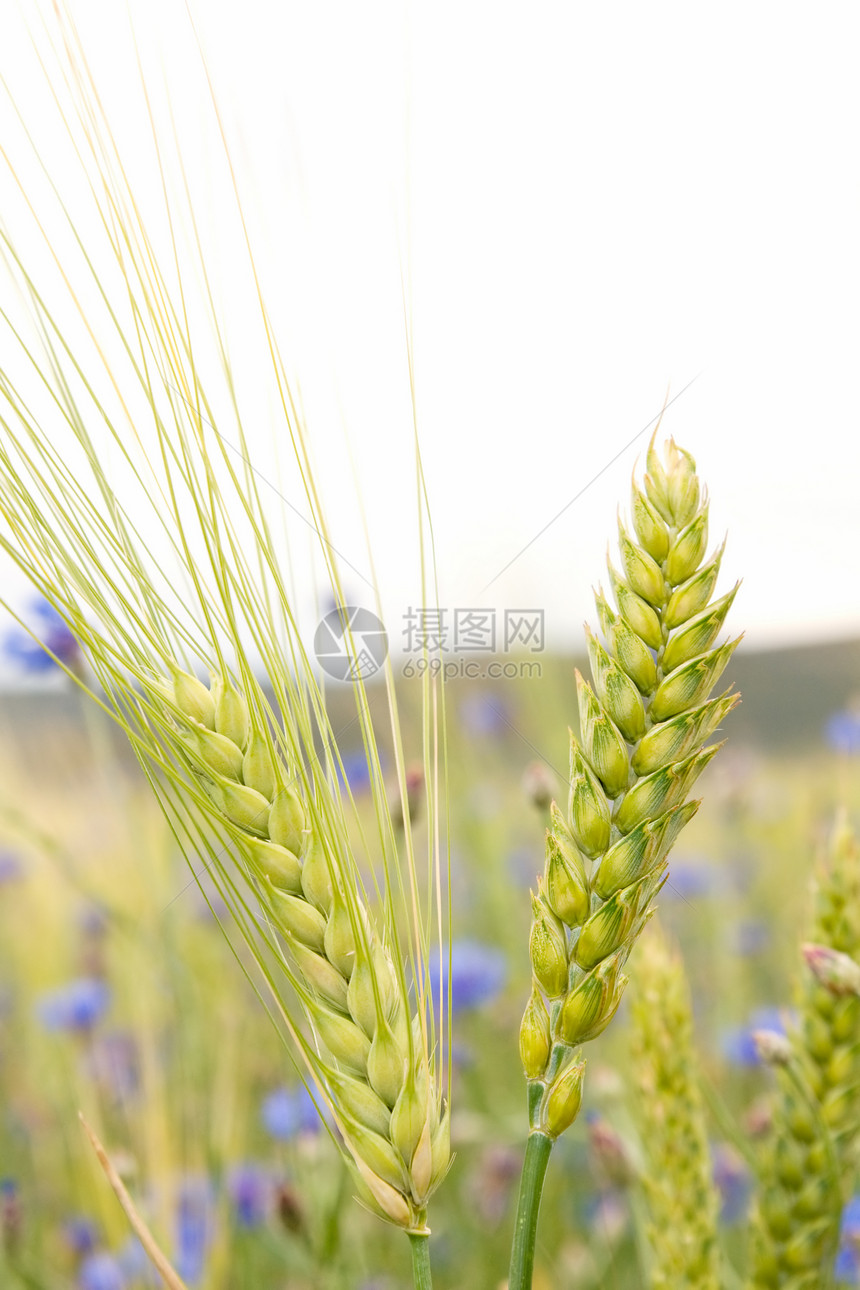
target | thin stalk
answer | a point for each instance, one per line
(421, 1277)
(536, 1160)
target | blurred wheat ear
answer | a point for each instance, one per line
(808, 1164)
(644, 724)
(130, 500)
(677, 1178)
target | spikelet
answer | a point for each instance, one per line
(810, 1157)
(677, 1179)
(644, 721)
(370, 1058)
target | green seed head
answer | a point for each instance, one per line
(343, 1038)
(217, 752)
(295, 917)
(548, 950)
(535, 1042)
(279, 865)
(603, 742)
(589, 810)
(194, 699)
(588, 1009)
(258, 769)
(320, 976)
(376, 1152)
(650, 527)
(409, 1115)
(687, 550)
(693, 595)
(564, 1099)
(389, 1202)
(365, 1003)
(642, 574)
(698, 634)
(648, 798)
(633, 657)
(640, 851)
(672, 484)
(616, 691)
(386, 1064)
(231, 711)
(316, 877)
(340, 937)
(606, 930)
(359, 1101)
(243, 806)
(673, 740)
(421, 1167)
(566, 883)
(690, 684)
(638, 614)
(287, 820)
(440, 1146)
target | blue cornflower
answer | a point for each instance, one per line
(287, 1112)
(11, 867)
(752, 935)
(689, 879)
(738, 1044)
(136, 1266)
(849, 1228)
(355, 772)
(249, 1187)
(20, 647)
(733, 1181)
(847, 1266)
(101, 1272)
(81, 1235)
(842, 731)
(76, 1006)
(478, 974)
(484, 714)
(194, 1229)
(523, 865)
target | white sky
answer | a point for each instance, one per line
(589, 203)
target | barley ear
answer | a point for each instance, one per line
(372, 1069)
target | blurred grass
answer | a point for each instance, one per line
(103, 892)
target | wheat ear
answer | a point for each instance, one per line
(809, 1156)
(677, 1180)
(644, 723)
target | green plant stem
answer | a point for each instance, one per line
(421, 1277)
(536, 1160)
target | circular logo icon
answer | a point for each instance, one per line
(350, 643)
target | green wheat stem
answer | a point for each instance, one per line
(420, 1246)
(538, 1149)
